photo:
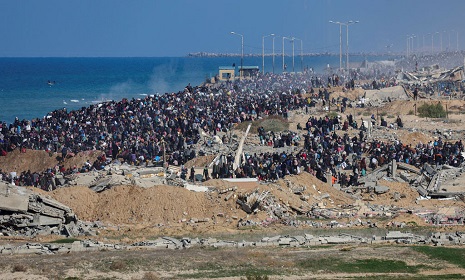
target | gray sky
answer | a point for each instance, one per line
(176, 27)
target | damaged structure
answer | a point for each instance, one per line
(23, 212)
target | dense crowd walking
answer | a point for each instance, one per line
(142, 130)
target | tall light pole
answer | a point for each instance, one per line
(340, 42)
(242, 52)
(432, 42)
(408, 45)
(273, 54)
(292, 41)
(440, 37)
(263, 51)
(423, 45)
(347, 37)
(283, 53)
(412, 38)
(443, 32)
(448, 48)
(301, 55)
(457, 40)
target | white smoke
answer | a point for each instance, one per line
(158, 80)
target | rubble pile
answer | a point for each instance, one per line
(436, 239)
(432, 180)
(117, 174)
(58, 248)
(23, 212)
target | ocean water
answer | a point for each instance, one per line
(78, 82)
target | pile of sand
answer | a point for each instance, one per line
(171, 205)
(39, 161)
(136, 205)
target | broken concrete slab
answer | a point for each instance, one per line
(196, 188)
(381, 189)
(12, 198)
(390, 235)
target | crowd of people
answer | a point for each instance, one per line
(141, 130)
(330, 154)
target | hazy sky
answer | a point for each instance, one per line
(177, 27)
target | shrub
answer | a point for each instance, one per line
(150, 276)
(256, 277)
(19, 268)
(432, 111)
(270, 123)
(332, 115)
(117, 265)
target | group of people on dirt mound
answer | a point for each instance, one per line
(141, 130)
(330, 154)
(328, 150)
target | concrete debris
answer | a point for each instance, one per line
(436, 239)
(381, 189)
(57, 248)
(23, 212)
(250, 202)
(431, 182)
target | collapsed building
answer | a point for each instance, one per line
(434, 80)
(23, 212)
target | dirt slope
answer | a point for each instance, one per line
(38, 161)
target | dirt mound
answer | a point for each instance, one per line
(200, 161)
(403, 107)
(125, 205)
(315, 189)
(351, 94)
(413, 138)
(134, 205)
(38, 161)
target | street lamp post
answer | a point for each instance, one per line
(448, 48)
(283, 53)
(292, 41)
(423, 45)
(347, 50)
(432, 42)
(457, 40)
(301, 55)
(440, 37)
(443, 32)
(273, 54)
(412, 38)
(263, 51)
(340, 42)
(346, 24)
(408, 45)
(242, 52)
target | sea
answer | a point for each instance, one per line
(33, 87)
